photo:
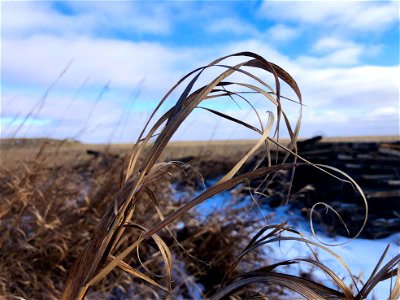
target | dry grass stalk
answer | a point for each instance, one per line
(97, 260)
(91, 265)
(134, 214)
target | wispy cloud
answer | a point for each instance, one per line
(123, 62)
(283, 33)
(233, 26)
(84, 17)
(347, 16)
(328, 48)
(326, 44)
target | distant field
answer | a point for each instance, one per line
(20, 150)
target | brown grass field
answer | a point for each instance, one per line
(15, 151)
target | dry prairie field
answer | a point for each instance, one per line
(258, 219)
(15, 151)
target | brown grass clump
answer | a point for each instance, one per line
(92, 265)
(114, 225)
(46, 216)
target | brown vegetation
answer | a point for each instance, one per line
(113, 223)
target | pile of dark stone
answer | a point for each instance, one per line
(374, 166)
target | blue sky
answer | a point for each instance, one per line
(121, 57)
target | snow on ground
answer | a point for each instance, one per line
(361, 255)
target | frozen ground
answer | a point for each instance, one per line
(361, 255)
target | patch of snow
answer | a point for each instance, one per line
(360, 255)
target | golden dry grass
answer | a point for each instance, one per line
(12, 152)
(112, 222)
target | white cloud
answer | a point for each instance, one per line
(342, 57)
(385, 111)
(104, 17)
(124, 63)
(333, 51)
(126, 15)
(263, 48)
(35, 16)
(368, 16)
(357, 87)
(282, 33)
(331, 43)
(231, 25)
